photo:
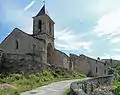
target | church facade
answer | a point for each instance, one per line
(39, 47)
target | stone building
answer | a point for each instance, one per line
(25, 52)
(89, 66)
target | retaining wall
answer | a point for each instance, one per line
(19, 63)
(86, 87)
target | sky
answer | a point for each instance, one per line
(90, 27)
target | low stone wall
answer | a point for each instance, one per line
(87, 86)
(19, 63)
(21, 57)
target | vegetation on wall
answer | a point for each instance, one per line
(67, 92)
(115, 69)
(117, 88)
(29, 82)
(116, 65)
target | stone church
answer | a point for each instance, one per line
(30, 52)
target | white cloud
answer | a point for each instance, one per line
(117, 50)
(67, 40)
(108, 25)
(29, 5)
(109, 56)
(17, 17)
(115, 40)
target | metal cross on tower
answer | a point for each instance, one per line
(44, 2)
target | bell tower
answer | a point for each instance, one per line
(42, 23)
(43, 28)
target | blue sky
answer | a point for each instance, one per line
(90, 27)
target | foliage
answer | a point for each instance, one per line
(116, 66)
(28, 82)
(115, 69)
(117, 89)
(67, 92)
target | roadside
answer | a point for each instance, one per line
(57, 88)
(23, 83)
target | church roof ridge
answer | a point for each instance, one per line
(93, 58)
(28, 34)
(22, 31)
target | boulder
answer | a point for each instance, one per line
(7, 86)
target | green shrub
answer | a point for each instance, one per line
(117, 88)
(67, 92)
(11, 92)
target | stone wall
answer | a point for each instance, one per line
(97, 67)
(87, 86)
(20, 57)
(18, 42)
(61, 59)
(26, 43)
(89, 66)
(1, 54)
(19, 63)
(81, 65)
(73, 57)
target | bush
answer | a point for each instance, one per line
(117, 89)
(67, 92)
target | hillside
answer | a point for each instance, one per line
(27, 82)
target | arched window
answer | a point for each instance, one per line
(40, 25)
(17, 44)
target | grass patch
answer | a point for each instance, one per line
(28, 82)
(67, 92)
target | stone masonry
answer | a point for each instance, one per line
(88, 86)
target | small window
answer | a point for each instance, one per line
(17, 45)
(0, 54)
(96, 69)
(105, 64)
(40, 25)
(34, 49)
(105, 71)
(50, 28)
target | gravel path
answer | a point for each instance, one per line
(56, 88)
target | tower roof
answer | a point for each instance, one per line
(42, 11)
